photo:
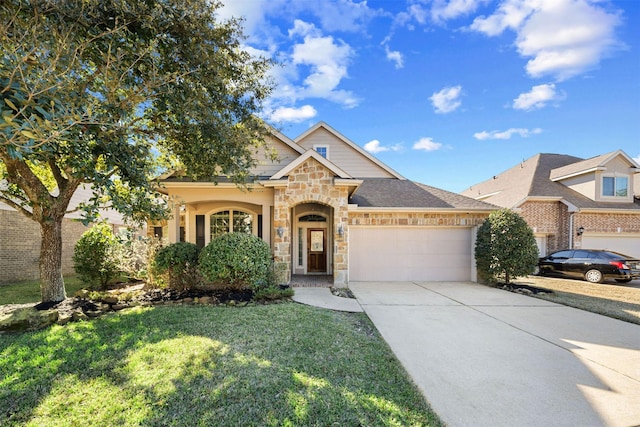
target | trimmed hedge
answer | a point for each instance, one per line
(236, 260)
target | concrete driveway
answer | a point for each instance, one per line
(488, 357)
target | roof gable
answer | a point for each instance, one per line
(593, 164)
(531, 179)
(313, 155)
(345, 153)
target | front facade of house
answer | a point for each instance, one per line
(571, 202)
(327, 207)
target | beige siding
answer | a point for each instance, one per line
(344, 156)
(583, 184)
(268, 167)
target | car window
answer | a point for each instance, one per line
(582, 254)
(562, 254)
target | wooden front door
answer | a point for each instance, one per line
(316, 250)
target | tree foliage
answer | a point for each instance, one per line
(105, 92)
(505, 247)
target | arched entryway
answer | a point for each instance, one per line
(312, 241)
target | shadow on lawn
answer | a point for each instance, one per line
(264, 365)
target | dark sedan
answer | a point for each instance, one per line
(592, 265)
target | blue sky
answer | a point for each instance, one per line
(452, 92)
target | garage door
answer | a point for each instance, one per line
(420, 254)
(628, 245)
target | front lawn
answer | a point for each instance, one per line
(264, 365)
(619, 301)
(29, 290)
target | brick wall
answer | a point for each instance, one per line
(619, 223)
(552, 219)
(416, 218)
(20, 246)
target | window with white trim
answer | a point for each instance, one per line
(615, 186)
(230, 221)
(323, 150)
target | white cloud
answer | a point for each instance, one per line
(295, 115)
(537, 98)
(563, 38)
(442, 10)
(342, 15)
(427, 144)
(637, 159)
(447, 99)
(395, 57)
(327, 60)
(374, 146)
(507, 134)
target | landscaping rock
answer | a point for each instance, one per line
(65, 318)
(204, 300)
(27, 319)
(110, 300)
(78, 316)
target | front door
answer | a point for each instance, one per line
(316, 250)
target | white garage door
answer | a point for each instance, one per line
(628, 245)
(420, 254)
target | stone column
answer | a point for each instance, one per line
(282, 225)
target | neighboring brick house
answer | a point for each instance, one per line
(20, 240)
(326, 206)
(571, 202)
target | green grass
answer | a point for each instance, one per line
(269, 365)
(29, 291)
(615, 300)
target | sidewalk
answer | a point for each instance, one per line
(323, 298)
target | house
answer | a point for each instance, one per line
(20, 238)
(571, 202)
(326, 206)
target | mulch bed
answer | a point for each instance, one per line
(525, 289)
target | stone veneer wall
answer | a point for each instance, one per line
(311, 182)
(20, 246)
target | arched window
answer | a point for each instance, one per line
(230, 221)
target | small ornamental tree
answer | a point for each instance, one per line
(505, 247)
(94, 255)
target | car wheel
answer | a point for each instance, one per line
(623, 280)
(593, 276)
(537, 271)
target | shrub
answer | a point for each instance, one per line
(238, 260)
(270, 293)
(180, 261)
(505, 247)
(93, 255)
(135, 256)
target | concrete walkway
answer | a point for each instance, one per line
(322, 297)
(487, 357)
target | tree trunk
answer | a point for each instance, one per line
(51, 281)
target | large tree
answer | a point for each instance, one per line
(104, 91)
